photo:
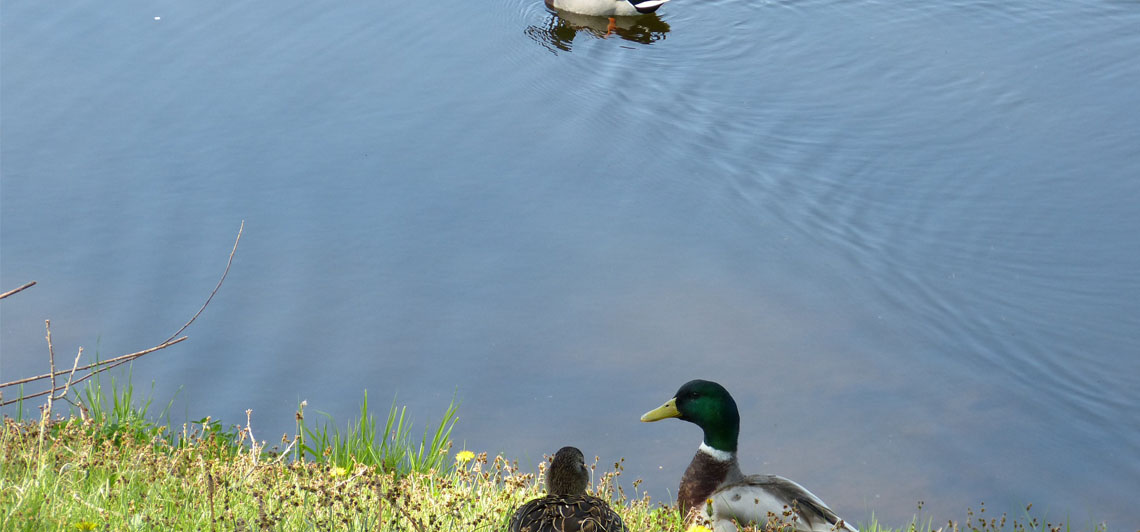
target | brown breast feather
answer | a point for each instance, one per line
(703, 476)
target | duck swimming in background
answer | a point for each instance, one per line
(713, 483)
(607, 8)
(566, 507)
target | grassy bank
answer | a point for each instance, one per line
(108, 467)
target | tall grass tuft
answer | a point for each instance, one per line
(392, 450)
(115, 412)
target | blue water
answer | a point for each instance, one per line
(902, 234)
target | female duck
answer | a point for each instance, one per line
(566, 507)
(607, 8)
(713, 483)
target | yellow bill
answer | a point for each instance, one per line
(665, 411)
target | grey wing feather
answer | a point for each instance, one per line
(810, 508)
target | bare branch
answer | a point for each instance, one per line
(25, 397)
(130, 356)
(104, 365)
(20, 289)
(51, 363)
(119, 361)
(70, 375)
(220, 281)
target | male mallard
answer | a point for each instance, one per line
(607, 8)
(566, 507)
(714, 474)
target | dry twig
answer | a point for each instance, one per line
(103, 365)
(70, 375)
(20, 289)
(51, 363)
(219, 285)
(116, 361)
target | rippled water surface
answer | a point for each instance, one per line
(903, 234)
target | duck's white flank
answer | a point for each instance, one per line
(716, 454)
(607, 8)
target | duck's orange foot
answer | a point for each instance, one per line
(611, 27)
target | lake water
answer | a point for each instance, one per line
(903, 234)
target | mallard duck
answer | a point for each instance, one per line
(607, 8)
(713, 483)
(566, 507)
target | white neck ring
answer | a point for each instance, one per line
(716, 454)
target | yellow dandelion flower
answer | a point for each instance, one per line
(462, 457)
(698, 528)
(338, 472)
(86, 525)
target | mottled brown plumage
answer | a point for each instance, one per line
(566, 507)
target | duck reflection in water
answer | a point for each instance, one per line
(558, 31)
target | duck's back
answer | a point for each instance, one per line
(566, 513)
